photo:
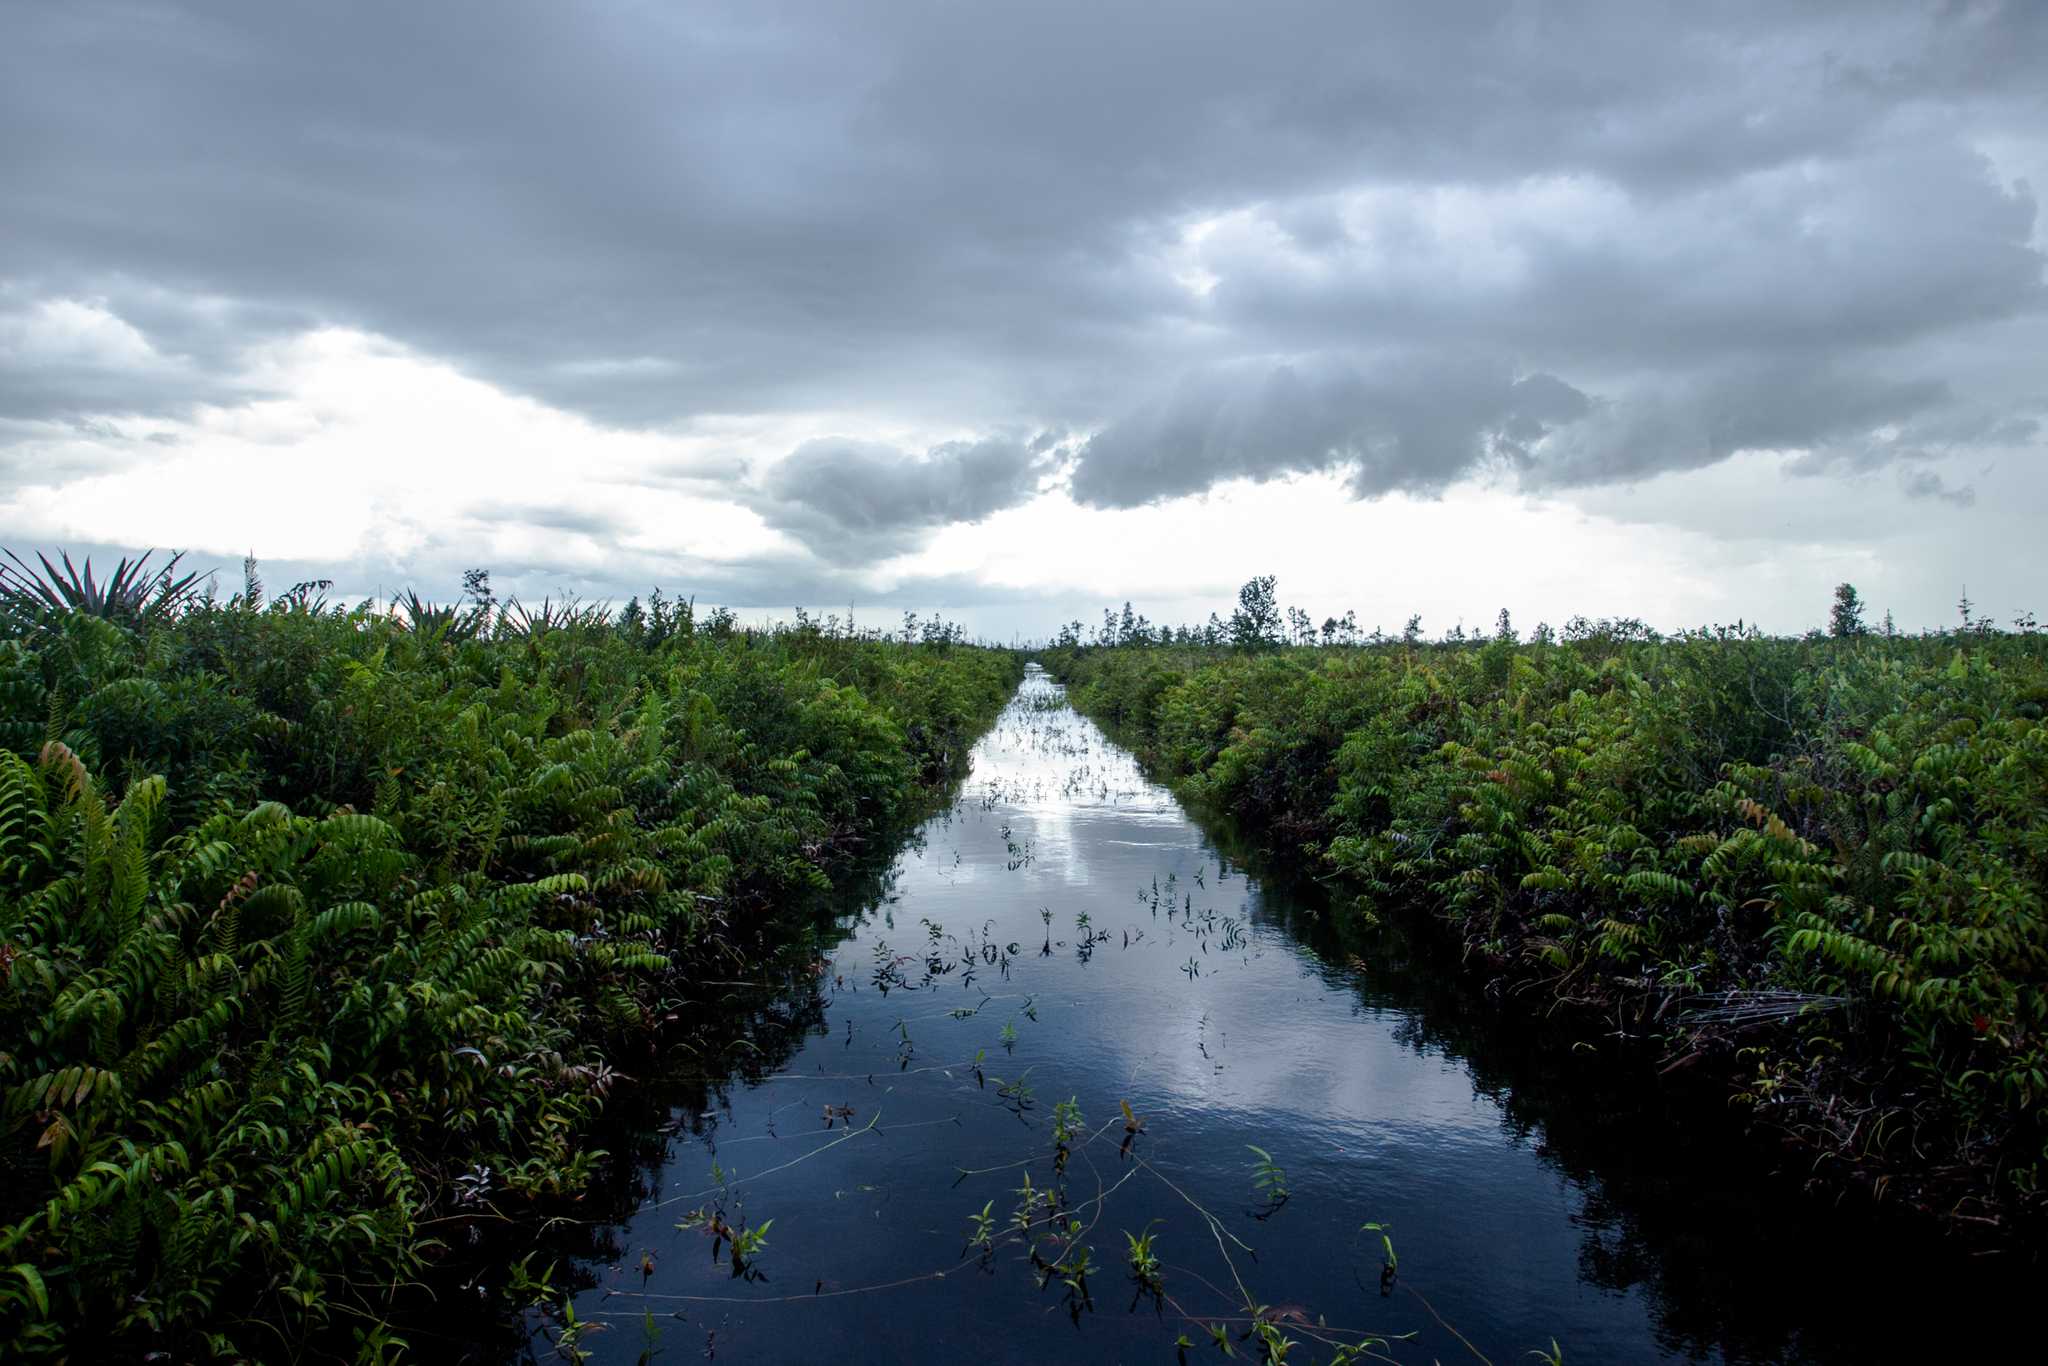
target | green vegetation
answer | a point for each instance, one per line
(1812, 870)
(1049, 1226)
(320, 926)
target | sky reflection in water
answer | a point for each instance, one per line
(1219, 1038)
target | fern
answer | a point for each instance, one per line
(390, 899)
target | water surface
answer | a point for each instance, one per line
(1065, 925)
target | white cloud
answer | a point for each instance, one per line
(367, 450)
(74, 332)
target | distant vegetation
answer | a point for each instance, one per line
(319, 922)
(1812, 870)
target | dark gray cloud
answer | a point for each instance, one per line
(1400, 422)
(76, 357)
(848, 500)
(1577, 243)
(1711, 415)
(1928, 484)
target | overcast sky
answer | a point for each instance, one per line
(1685, 312)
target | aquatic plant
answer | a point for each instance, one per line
(747, 1244)
(1016, 1095)
(981, 1231)
(1269, 1179)
(1145, 1265)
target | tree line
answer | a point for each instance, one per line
(1258, 622)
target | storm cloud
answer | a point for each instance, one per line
(1559, 246)
(849, 499)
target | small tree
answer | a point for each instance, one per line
(476, 587)
(1847, 617)
(1300, 627)
(1256, 622)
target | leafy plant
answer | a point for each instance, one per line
(1144, 1263)
(747, 1244)
(981, 1228)
(131, 594)
(322, 936)
(1268, 1177)
(1813, 860)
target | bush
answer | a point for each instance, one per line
(314, 927)
(1819, 864)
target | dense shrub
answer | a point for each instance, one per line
(313, 926)
(1816, 865)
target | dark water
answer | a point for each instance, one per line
(1524, 1203)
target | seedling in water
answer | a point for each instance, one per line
(1276, 1343)
(746, 1246)
(981, 1231)
(1072, 1272)
(1134, 1124)
(1145, 1267)
(1392, 1266)
(568, 1338)
(1269, 1178)
(1066, 1121)
(1026, 1212)
(1066, 1126)
(1016, 1095)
